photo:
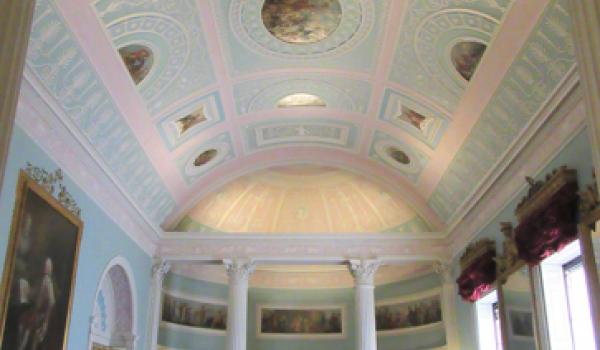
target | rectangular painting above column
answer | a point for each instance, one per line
(300, 321)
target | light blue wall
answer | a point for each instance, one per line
(576, 155)
(181, 339)
(101, 241)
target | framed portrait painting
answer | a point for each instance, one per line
(39, 270)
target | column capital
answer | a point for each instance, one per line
(363, 271)
(444, 270)
(238, 268)
(160, 269)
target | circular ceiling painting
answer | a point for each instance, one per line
(466, 56)
(301, 21)
(138, 59)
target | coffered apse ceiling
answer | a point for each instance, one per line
(390, 113)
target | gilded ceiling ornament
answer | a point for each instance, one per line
(52, 181)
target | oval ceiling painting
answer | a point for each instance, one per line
(465, 57)
(301, 21)
(398, 155)
(205, 157)
(138, 59)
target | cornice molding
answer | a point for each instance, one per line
(41, 119)
(561, 119)
(284, 249)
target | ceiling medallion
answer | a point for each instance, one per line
(466, 56)
(301, 28)
(301, 21)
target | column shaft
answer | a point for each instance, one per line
(159, 270)
(364, 297)
(237, 311)
(449, 294)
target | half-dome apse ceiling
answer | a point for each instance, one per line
(303, 199)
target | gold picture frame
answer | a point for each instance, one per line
(40, 267)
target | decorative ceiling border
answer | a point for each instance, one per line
(57, 60)
(39, 116)
(543, 63)
(563, 119)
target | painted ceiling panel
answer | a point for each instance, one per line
(431, 29)
(205, 157)
(412, 116)
(57, 60)
(303, 199)
(389, 151)
(172, 31)
(187, 122)
(542, 64)
(249, 47)
(338, 93)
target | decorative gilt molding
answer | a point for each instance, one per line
(476, 250)
(509, 261)
(50, 181)
(541, 191)
(589, 205)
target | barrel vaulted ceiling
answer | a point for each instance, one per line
(177, 98)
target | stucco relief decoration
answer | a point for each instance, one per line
(57, 60)
(428, 53)
(400, 156)
(205, 157)
(545, 60)
(301, 29)
(171, 33)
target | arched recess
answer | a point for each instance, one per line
(230, 171)
(113, 320)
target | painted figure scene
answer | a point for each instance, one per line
(301, 21)
(278, 321)
(466, 57)
(138, 59)
(408, 315)
(194, 313)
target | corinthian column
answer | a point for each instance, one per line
(159, 271)
(449, 294)
(237, 310)
(364, 302)
(15, 25)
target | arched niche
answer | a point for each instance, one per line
(112, 324)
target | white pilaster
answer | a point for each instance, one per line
(585, 16)
(238, 272)
(364, 299)
(159, 271)
(449, 293)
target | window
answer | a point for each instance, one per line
(578, 305)
(566, 300)
(488, 322)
